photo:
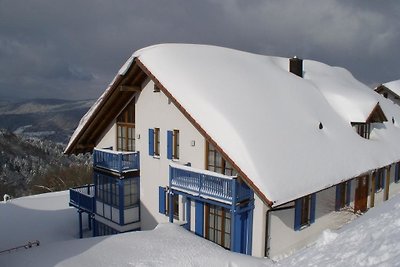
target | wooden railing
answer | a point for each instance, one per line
(116, 160)
(208, 184)
(82, 197)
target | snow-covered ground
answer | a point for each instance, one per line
(371, 240)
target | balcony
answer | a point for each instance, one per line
(116, 161)
(82, 198)
(208, 184)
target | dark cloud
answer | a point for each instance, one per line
(72, 49)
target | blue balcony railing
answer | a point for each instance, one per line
(82, 198)
(208, 184)
(116, 160)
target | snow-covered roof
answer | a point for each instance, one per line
(393, 86)
(267, 119)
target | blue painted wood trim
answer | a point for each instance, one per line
(236, 232)
(151, 142)
(171, 207)
(199, 215)
(94, 228)
(169, 144)
(161, 200)
(312, 207)
(205, 200)
(384, 177)
(250, 229)
(80, 224)
(297, 214)
(348, 192)
(121, 199)
(188, 209)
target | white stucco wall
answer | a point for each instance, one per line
(109, 138)
(283, 237)
(259, 220)
(156, 111)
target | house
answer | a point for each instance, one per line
(256, 153)
(390, 90)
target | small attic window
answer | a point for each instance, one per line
(320, 126)
(393, 120)
(385, 95)
(363, 129)
(156, 89)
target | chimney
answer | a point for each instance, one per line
(296, 66)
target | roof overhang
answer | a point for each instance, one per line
(107, 109)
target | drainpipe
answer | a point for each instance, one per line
(267, 226)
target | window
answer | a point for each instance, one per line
(218, 225)
(131, 192)
(157, 141)
(154, 142)
(173, 144)
(380, 179)
(363, 129)
(343, 191)
(175, 199)
(385, 95)
(107, 190)
(397, 172)
(126, 128)
(304, 213)
(216, 163)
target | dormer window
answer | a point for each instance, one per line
(363, 129)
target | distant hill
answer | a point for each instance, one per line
(50, 119)
(30, 166)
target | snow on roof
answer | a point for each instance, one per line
(267, 119)
(393, 86)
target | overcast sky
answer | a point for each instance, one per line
(72, 49)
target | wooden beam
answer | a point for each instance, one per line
(129, 88)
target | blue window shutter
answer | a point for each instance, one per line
(151, 142)
(161, 200)
(383, 177)
(338, 197)
(348, 192)
(297, 214)
(199, 215)
(396, 172)
(312, 207)
(169, 144)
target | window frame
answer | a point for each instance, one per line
(212, 232)
(156, 138)
(125, 122)
(218, 163)
(362, 128)
(304, 212)
(175, 144)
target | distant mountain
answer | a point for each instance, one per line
(31, 165)
(50, 119)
